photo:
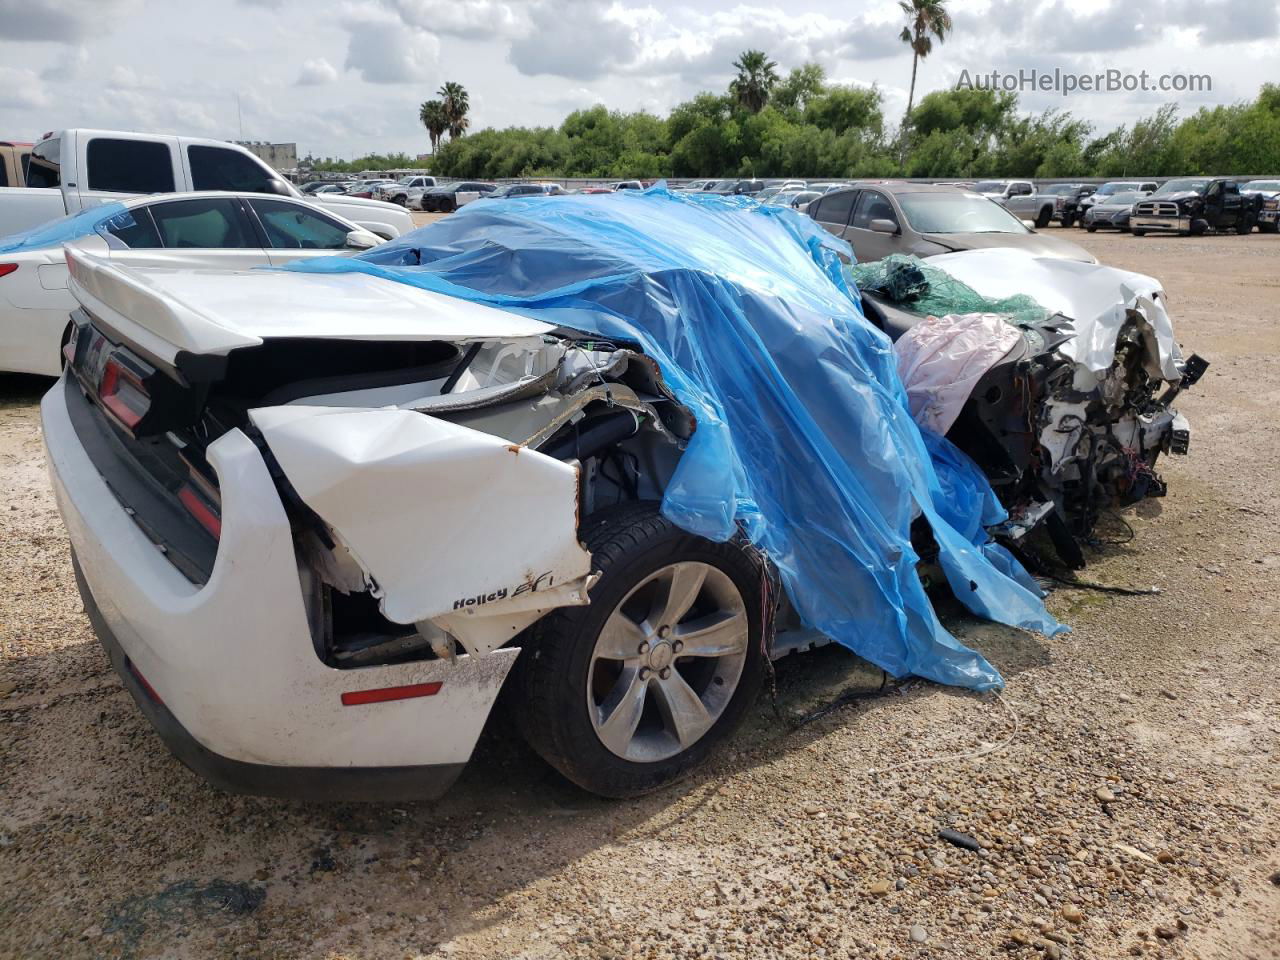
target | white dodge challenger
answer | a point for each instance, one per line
(318, 519)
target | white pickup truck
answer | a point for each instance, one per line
(74, 169)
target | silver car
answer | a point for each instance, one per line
(925, 220)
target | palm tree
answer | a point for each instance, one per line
(456, 104)
(924, 17)
(757, 75)
(431, 113)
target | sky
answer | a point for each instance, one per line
(345, 77)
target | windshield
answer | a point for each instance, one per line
(989, 186)
(1180, 186)
(957, 213)
(1128, 196)
(1262, 185)
(1107, 189)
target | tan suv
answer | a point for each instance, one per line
(14, 157)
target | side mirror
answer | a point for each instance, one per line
(884, 226)
(280, 188)
(361, 240)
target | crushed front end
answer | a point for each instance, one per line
(1069, 414)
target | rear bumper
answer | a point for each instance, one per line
(246, 700)
(1171, 224)
(259, 779)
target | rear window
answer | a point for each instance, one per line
(44, 167)
(216, 168)
(130, 166)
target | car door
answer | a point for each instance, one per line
(221, 168)
(1232, 205)
(117, 168)
(201, 233)
(867, 243)
(834, 211)
(296, 231)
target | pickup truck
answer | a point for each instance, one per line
(1022, 199)
(72, 170)
(1194, 205)
(13, 163)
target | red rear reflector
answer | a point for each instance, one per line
(358, 697)
(149, 690)
(198, 508)
(7, 268)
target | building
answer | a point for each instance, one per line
(280, 156)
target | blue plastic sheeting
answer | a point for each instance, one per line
(803, 436)
(57, 232)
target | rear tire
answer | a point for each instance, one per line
(1092, 228)
(603, 693)
(1138, 233)
(1045, 217)
(1271, 227)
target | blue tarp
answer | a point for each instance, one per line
(57, 232)
(804, 436)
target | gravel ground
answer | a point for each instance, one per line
(1124, 791)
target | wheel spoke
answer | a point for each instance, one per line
(622, 715)
(685, 714)
(721, 634)
(683, 587)
(620, 639)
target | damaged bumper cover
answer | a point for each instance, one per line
(227, 670)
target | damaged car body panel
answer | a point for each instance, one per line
(511, 549)
(1070, 421)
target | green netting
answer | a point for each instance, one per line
(911, 284)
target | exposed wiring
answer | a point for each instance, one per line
(1101, 587)
(844, 699)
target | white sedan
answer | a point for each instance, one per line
(189, 230)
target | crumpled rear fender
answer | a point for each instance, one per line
(450, 525)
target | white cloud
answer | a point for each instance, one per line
(22, 89)
(467, 19)
(316, 72)
(386, 51)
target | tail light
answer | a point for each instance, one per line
(7, 268)
(122, 393)
(203, 508)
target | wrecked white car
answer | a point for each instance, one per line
(318, 519)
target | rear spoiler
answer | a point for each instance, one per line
(133, 309)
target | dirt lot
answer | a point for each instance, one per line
(1127, 791)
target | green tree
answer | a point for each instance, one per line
(802, 85)
(431, 115)
(456, 104)
(757, 76)
(926, 19)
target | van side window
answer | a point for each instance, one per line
(130, 166)
(215, 168)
